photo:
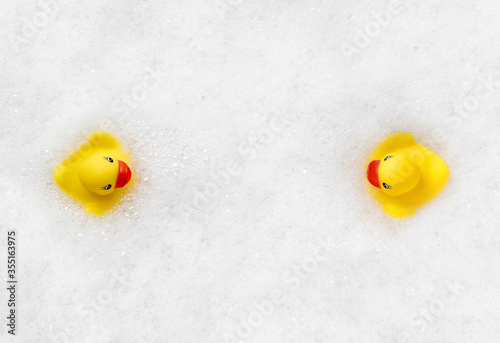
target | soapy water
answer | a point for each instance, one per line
(249, 218)
(172, 167)
(160, 214)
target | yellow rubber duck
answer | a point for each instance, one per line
(95, 175)
(406, 175)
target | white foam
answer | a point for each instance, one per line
(262, 91)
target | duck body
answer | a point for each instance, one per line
(405, 175)
(96, 174)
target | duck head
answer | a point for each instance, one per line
(103, 174)
(395, 174)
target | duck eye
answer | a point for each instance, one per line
(385, 185)
(108, 187)
(386, 158)
(109, 159)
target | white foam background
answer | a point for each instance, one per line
(228, 70)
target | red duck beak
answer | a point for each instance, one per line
(372, 173)
(124, 174)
